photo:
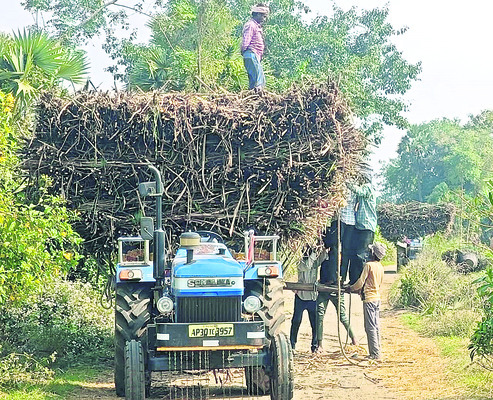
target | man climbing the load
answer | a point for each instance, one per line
(366, 221)
(252, 46)
(341, 229)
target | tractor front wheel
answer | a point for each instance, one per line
(132, 313)
(282, 375)
(135, 382)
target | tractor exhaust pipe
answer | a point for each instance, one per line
(159, 234)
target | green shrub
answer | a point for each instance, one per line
(65, 320)
(447, 300)
(482, 339)
(37, 241)
(17, 370)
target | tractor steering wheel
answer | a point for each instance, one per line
(210, 236)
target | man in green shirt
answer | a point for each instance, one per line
(366, 223)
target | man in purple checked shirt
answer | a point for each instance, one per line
(252, 46)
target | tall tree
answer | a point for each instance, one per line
(355, 48)
(192, 47)
(76, 21)
(195, 44)
(441, 156)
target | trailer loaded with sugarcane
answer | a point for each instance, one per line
(228, 163)
(407, 224)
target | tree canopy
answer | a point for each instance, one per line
(77, 21)
(195, 46)
(192, 48)
(440, 156)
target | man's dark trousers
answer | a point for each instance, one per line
(299, 307)
(328, 269)
(362, 238)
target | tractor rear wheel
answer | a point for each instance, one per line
(135, 385)
(282, 375)
(132, 313)
(270, 291)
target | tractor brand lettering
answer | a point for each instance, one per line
(210, 282)
(197, 331)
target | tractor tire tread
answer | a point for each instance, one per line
(132, 313)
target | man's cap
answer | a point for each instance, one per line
(378, 249)
(260, 9)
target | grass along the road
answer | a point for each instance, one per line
(416, 367)
(468, 376)
(474, 380)
(61, 387)
(426, 368)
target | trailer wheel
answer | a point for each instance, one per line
(132, 313)
(272, 314)
(282, 375)
(135, 385)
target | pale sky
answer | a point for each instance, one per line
(451, 39)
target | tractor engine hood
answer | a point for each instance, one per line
(207, 275)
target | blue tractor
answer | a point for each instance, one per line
(199, 310)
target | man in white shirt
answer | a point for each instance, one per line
(304, 299)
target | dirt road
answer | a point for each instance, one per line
(328, 375)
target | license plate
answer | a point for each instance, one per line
(212, 330)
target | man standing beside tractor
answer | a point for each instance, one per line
(253, 45)
(306, 299)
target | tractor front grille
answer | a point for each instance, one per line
(208, 309)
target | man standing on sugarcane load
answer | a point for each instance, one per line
(366, 222)
(252, 46)
(305, 299)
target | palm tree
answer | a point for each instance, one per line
(31, 61)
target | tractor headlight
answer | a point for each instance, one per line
(252, 304)
(165, 305)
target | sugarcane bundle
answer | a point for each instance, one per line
(414, 219)
(275, 163)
